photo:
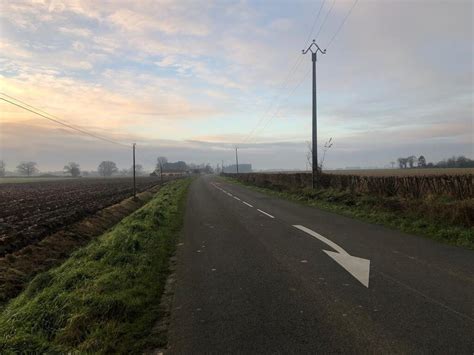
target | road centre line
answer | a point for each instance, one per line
(238, 199)
(246, 203)
(265, 213)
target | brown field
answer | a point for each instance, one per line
(29, 211)
(403, 172)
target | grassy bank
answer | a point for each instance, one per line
(105, 297)
(442, 219)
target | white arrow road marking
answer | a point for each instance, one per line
(357, 267)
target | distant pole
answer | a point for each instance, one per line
(134, 179)
(222, 166)
(236, 160)
(314, 52)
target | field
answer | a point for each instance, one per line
(26, 180)
(29, 211)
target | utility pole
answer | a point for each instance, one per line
(222, 166)
(314, 49)
(236, 160)
(134, 180)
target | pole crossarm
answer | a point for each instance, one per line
(315, 50)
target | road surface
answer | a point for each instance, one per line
(260, 274)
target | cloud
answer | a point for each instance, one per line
(204, 71)
(79, 32)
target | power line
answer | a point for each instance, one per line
(284, 102)
(34, 110)
(314, 24)
(342, 23)
(284, 83)
(325, 19)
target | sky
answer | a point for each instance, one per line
(190, 80)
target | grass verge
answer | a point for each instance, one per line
(105, 297)
(414, 217)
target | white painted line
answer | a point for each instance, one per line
(248, 204)
(238, 199)
(357, 267)
(265, 213)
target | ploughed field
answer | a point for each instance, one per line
(31, 211)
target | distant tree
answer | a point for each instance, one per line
(27, 168)
(451, 162)
(421, 161)
(72, 169)
(2, 168)
(160, 165)
(411, 161)
(402, 163)
(392, 163)
(463, 162)
(126, 172)
(456, 162)
(107, 168)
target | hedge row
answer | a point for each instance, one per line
(458, 186)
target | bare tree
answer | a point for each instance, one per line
(411, 161)
(27, 168)
(107, 168)
(309, 153)
(126, 172)
(2, 168)
(402, 162)
(326, 147)
(421, 161)
(72, 169)
(161, 162)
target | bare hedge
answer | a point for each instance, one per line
(458, 186)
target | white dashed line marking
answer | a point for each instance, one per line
(238, 199)
(265, 213)
(248, 204)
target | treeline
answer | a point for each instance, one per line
(420, 162)
(109, 168)
(73, 169)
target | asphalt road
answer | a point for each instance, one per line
(248, 280)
